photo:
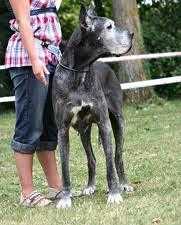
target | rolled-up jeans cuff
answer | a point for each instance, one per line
(46, 146)
(22, 148)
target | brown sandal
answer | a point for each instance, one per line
(34, 199)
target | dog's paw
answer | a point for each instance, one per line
(127, 188)
(64, 203)
(90, 190)
(114, 198)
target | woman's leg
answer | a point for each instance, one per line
(24, 163)
(29, 197)
(30, 97)
(48, 162)
(48, 140)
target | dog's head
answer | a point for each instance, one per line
(104, 33)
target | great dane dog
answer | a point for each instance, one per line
(82, 96)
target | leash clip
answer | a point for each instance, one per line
(53, 49)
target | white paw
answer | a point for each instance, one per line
(114, 198)
(89, 190)
(64, 203)
(127, 188)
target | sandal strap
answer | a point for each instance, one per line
(33, 195)
(33, 199)
(29, 197)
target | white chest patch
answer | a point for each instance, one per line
(76, 109)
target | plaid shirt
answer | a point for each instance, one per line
(49, 31)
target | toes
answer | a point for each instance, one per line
(128, 188)
(114, 199)
(64, 203)
(90, 190)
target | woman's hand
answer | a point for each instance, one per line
(40, 71)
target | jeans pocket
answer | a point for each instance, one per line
(19, 71)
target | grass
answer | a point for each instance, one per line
(153, 162)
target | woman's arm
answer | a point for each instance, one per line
(22, 14)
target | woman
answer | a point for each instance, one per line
(32, 66)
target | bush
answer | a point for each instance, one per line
(162, 33)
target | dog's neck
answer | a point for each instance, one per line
(80, 52)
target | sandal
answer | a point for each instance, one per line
(34, 199)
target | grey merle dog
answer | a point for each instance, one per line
(83, 95)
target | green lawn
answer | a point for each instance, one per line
(153, 162)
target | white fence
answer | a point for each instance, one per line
(131, 85)
(144, 56)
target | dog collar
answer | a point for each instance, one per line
(73, 70)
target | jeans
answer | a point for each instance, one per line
(35, 128)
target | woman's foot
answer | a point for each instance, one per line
(35, 199)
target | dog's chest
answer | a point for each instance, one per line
(82, 112)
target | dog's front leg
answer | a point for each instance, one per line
(65, 195)
(112, 179)
(85, 135)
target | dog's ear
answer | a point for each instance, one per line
(82, 14)
(91, 10)
(85, 19)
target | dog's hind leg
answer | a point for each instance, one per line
(117, 123)
(91, 161)
(112, 179)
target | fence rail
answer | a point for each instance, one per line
(130, 85)
(143, 56)
(149, 83)
(7, 99)
(2, 67)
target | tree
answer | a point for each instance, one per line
(126, 15)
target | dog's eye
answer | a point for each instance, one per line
(109, 27)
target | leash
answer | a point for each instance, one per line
(51, 48)
(57, 53)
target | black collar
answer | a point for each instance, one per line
(73, 70)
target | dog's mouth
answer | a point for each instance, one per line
(119, 55)
(108, 54)
(126, 44)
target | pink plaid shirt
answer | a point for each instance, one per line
(49, 31)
